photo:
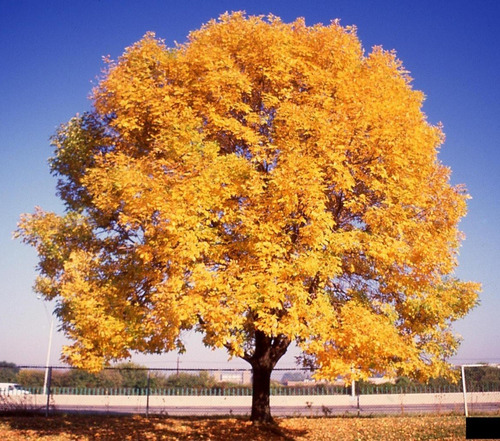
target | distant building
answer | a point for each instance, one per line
(296, 379)
(236, 377)
(301, 379)
(381, 380)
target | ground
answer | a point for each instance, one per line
(135, 428)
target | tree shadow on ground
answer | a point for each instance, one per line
(102, 427)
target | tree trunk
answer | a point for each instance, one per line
(261, 388)
(266, 354)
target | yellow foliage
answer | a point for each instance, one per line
(264, 178)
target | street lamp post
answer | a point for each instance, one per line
(47, 363)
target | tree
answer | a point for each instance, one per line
(30, 378)
(133, 375)
(264, 183)
(8, 372)
(110, 378)
(182, 379)
(482, 377)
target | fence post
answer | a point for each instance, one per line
(49, 384)
(147, 394)
(464, 388)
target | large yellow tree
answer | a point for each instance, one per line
(264, 183)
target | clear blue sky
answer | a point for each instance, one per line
(51, 53)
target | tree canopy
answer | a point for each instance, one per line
(263, 183)
(8, 372)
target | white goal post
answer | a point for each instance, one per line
(463, 366)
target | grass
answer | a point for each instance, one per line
(139, 428)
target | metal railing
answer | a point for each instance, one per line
(247, 391)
